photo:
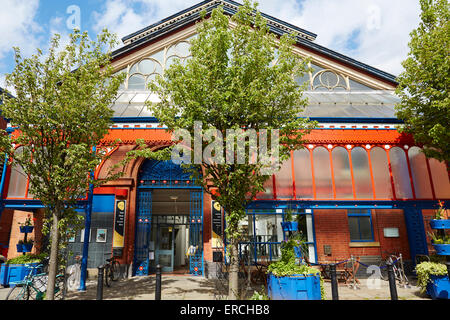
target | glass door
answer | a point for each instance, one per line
(165, 248)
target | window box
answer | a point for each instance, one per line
(442, 249)
(295, 287)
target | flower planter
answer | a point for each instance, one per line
(27, 247)
(19, 247)
(295, 287)
(11, 273)
(442, 249)
(438, 287)
(289, 226)
(440, 224)
(26, 229)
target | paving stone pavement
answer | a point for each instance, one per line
(187, 287)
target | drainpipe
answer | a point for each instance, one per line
(87, 232)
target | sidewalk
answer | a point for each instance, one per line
(186, 287)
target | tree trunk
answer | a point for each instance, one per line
(53, 263)
(233, 280)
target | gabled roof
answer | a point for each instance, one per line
(190, 15)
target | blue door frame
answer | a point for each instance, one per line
(166, 175)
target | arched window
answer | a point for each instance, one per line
(361, 174)
(303, 174)
(440, 179)
(283, 181)
(342, 173)
(419, 172)
(381, 177)
(400, 173)
(322, 173)
(18, 180)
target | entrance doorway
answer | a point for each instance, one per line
(169, 220)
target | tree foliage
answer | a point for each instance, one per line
(61, 111)
(240, 77)
(425, 83)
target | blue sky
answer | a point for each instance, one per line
(375, 32)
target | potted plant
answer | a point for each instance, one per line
(289, 224)
(17, 268)
(27, 245)
(440, 220)
(290, 281)
(27, 226)
(432, 278)
(441, 243)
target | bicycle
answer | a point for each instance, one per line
(74, 272)
(399, 271)
(34, 286)
(112, 270)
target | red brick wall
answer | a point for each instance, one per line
(36, 235)
(331, 228)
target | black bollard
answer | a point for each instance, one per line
(101, 272)
(334, 283)
(391, 278)
(158, 283)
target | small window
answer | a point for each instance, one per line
(360, 225)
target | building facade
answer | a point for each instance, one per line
(358, 188)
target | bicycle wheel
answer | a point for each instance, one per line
(19, 292)
(115, 270)
(108, 276)
(60, 288)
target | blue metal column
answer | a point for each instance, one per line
(416, 232)
(143, 233)
(196, 232)
(87, 229)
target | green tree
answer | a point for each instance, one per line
(424, 85)
(239, 78)
(61, 111)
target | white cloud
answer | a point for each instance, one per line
(18, 27)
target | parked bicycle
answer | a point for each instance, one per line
(34, 286)
(112, 270)
(74, 274)
(398, 267)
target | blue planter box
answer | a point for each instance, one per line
(26, 229)
(440, 224)
(289, 226)
(14, 272)
(442, 249)
(295, 287)
(439, 287)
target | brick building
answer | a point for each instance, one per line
(358, 188)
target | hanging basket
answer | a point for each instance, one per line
(442, 249)
(289, 226)
(19, 247)
(27, 247)
(440, 224)
(26, 229)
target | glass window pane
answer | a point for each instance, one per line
(439, 174)
(283, 181)
(303, 174)
(268, 194)
(342, 174)
(400, 173)
(381, 177)
(353, 228)
(322, 173)
(365, 228)
(419, 172)
(361, 174)
(136, 82)
(17, 181)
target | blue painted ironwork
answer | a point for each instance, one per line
(143, 229)
(416, 232)
(195, 232)
(164, 174)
